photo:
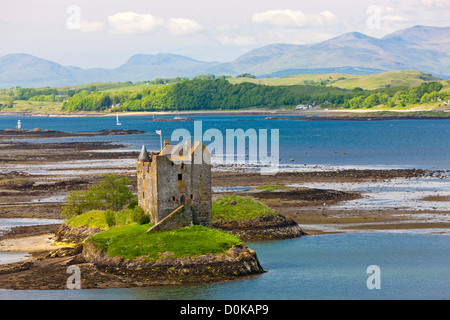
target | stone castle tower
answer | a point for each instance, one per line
(174, 186)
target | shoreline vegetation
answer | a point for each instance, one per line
(399, 91)
(315, 115)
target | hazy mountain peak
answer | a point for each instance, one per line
(420, 33)
(22, 59)
(158, 59)
(351, 36)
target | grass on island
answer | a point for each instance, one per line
(235, 208)
(132, 241)
(272, 188)
(96, 219)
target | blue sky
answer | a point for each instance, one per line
(105, 33)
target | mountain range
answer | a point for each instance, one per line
(422, 48)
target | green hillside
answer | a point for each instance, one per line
(404, 78)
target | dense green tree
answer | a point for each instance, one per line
(112, 193)
(203, 93)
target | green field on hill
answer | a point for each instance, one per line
(404, 78)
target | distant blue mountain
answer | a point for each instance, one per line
(422, 48)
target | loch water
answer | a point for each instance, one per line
(412, 265)
(369, 144)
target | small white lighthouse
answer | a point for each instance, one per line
(19, 125)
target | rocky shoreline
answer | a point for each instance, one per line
(237, 262)
(363, 117)
(263, 228)
(170, 119)
(38, 133)
(74, 235)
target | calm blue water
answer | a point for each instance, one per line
(399, 143)
(413, 266)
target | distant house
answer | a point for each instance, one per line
(303, 107)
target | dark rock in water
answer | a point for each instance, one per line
(171, 119)
(263, 228)
(48, 133)
(113, 132)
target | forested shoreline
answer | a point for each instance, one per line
(209, 94)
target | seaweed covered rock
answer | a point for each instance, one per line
(74, 234)
(263, 228)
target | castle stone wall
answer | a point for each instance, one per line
(164, 185)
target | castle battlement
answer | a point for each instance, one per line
(173, 178)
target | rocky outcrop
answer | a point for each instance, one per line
(237, 262)
(263, 228)
(74, 235)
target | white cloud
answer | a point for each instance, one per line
(133, 23)
(392, 18)
(436, 3)
(292, 18)
(87, 26)
(236, 41)
(179, 26)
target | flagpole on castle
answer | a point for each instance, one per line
(160, 137)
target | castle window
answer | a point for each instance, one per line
(173, 199)
(180, 177)
(192, 196)
(182, 199)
